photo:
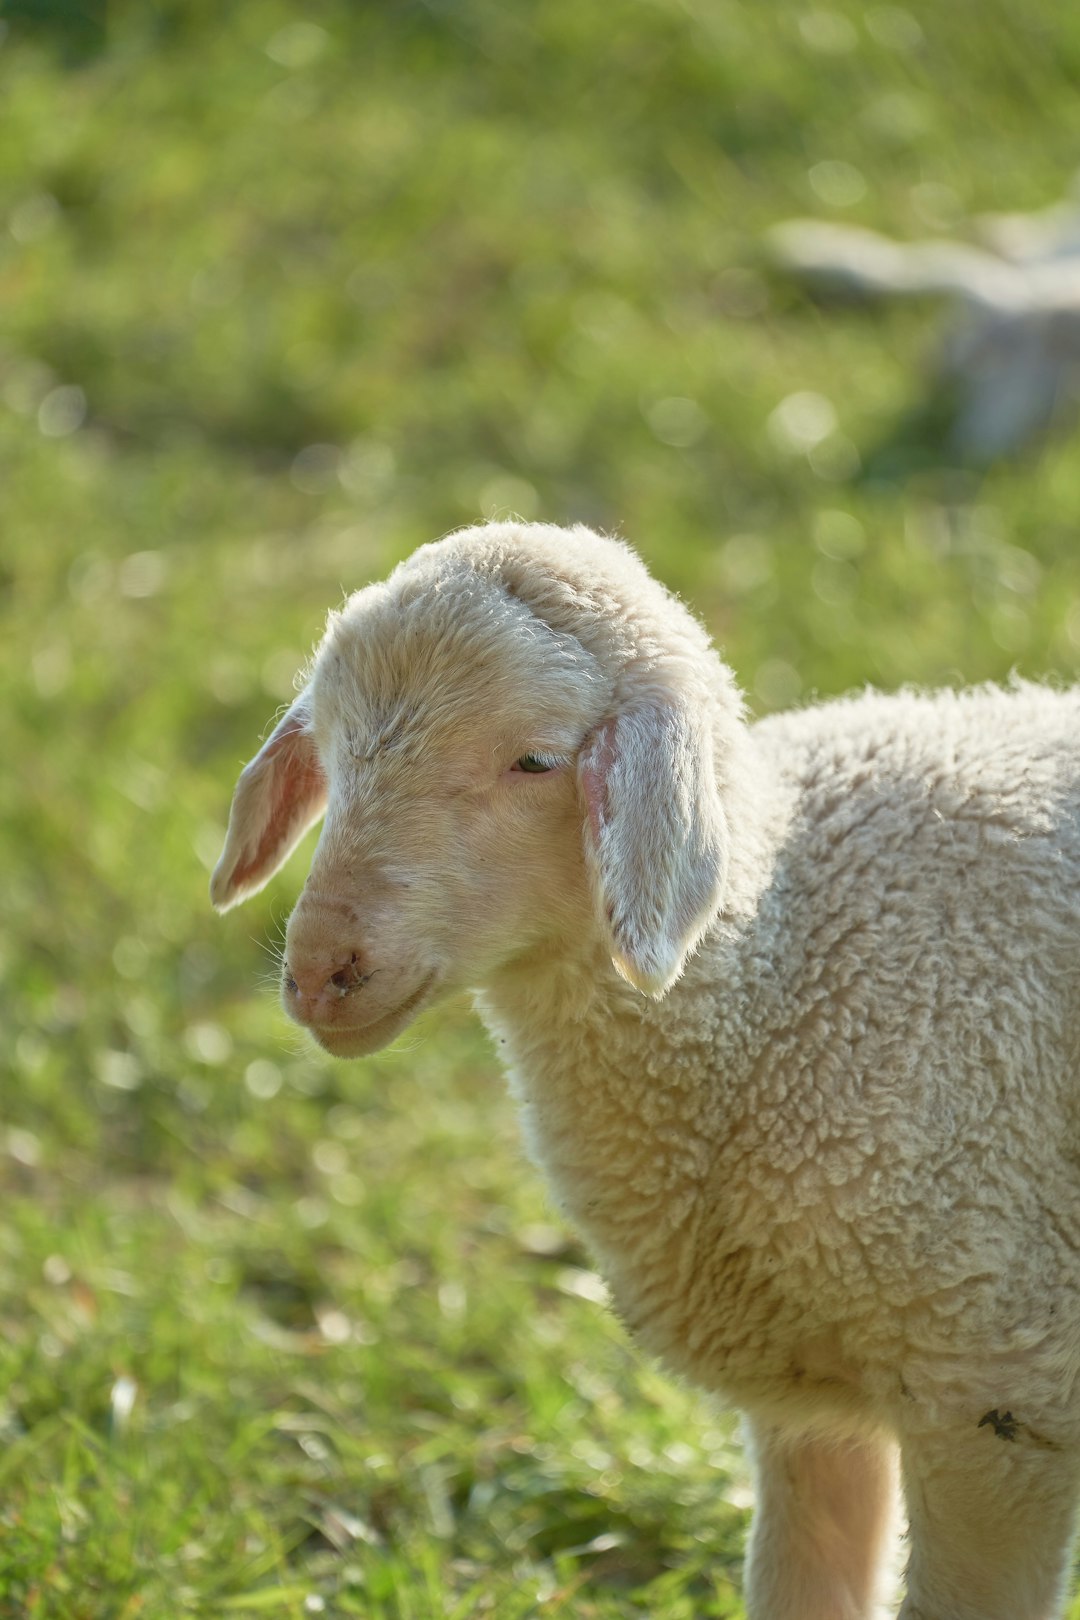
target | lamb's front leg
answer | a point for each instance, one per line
(823, 1526)
(992, 1509)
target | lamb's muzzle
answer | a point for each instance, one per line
(334, 982)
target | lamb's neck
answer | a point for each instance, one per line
(624, 1100)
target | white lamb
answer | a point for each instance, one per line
(821, 1121)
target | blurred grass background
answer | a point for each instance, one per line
(285, 292)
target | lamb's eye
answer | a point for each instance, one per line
(535, 764)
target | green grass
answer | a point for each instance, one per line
(284, 294)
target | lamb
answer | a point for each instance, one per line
(792, 1012)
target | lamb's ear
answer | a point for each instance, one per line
(281, 792)
(655, 838)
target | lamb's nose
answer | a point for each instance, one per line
(312, 987)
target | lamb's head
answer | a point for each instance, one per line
(516, 741)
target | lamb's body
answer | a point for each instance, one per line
(832, 1173)
(854, 1119)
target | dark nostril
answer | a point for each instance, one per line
(349, 977)
(291, 985)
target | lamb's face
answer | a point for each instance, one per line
(512, 741)
(448, 733)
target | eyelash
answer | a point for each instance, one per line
(547, 762)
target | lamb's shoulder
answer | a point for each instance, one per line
(929, 837)
(1004, 758)
(921, 927)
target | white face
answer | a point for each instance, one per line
(452, 844)
(514, 744)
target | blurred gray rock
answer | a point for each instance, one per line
(1010, 355)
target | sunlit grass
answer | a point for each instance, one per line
(283, 297)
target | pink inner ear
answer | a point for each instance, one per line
(594, 777)
(297, 784)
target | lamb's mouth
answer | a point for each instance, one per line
(358, 1040)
